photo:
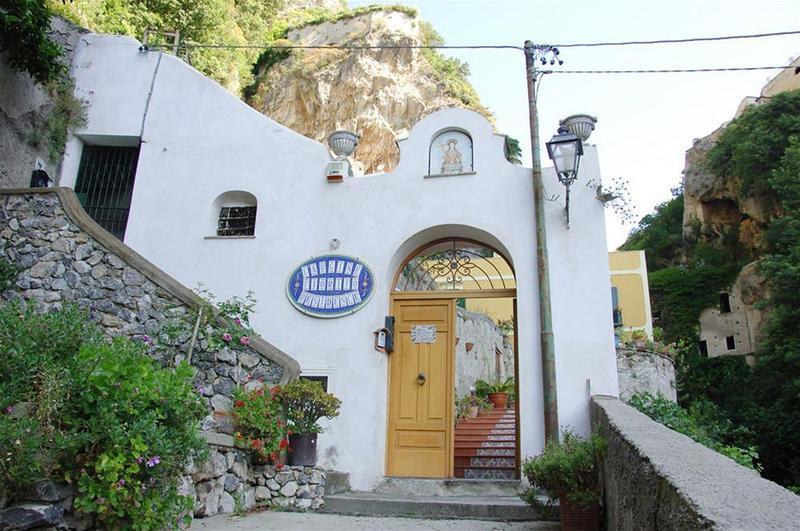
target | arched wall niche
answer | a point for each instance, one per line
(451, 152)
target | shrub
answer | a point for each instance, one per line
(258, 417)
(133, 429)
(567, 468)
(484, 388)
(703, 422)
(100, 414)
(305, 403)
(23, 36)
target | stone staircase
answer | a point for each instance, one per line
(485, 446)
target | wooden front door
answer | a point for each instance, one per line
(421, 376)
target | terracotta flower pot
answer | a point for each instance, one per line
(498, 400)
(578, 517)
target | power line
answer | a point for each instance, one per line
(668, 70)
(678, 41)
(473, 46)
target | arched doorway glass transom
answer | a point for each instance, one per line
(455, 264)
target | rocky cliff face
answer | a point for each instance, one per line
(378, 93)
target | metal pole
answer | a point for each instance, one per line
(549, 393)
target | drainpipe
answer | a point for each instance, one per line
(549, 392)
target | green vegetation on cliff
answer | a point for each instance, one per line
(760, 150)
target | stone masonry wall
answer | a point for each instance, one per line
(655, 478)
(477, 339)
(65, 258)
(642, 371)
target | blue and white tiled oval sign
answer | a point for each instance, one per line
(332, 285)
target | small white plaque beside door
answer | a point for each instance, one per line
(423, 333)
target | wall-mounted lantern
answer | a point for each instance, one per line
(565, 150)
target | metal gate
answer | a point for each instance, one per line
(105, 184)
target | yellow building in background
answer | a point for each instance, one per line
(630, 291)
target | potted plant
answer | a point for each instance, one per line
(260, 428)
(305, 402)
(497, 392)
(470, 405)
(568, 472)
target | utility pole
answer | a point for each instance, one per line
(549, 390)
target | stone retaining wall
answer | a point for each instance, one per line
(228, 481)
(644, 371)
(65, 257)
(655, 478)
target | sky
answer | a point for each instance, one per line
(646, 122)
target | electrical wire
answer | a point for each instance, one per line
(677, 41)
(475, 46)
(670, 70)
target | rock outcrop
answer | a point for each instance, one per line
(378, 93)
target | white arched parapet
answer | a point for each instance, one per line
(233, 214)
(487, 149)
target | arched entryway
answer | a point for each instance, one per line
(454, 303)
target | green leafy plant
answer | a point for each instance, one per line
(568, 467)
(23, 36)
(467, 402)
(8, 273)
(305, 404)
(133, 429)
(100, 414)
(703, 423)
(259, 421)
(66, 113)
(484, 388)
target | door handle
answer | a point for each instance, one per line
(421, 378)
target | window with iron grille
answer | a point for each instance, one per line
(105, 184)
(237, 221)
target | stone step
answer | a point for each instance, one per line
(498, 508)
(397, 486)
(485, 474)
(485, 462)
(485, 452)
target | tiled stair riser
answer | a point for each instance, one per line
(488, 473)
(495, 452)
(498, 462)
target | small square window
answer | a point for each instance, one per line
(237, 221)
(702, 346)
(730, 342)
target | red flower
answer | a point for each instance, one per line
(284, 444)
(279, 466)
(239, 403)
(256, 443)
(275, 390)
(273, 455)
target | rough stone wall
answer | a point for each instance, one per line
(477, 340)
(642, 371)
(655, 478)
(24, 104)
(379, 94)
(229, 480)
(62, 260)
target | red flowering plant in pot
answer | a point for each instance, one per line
(259, 421)
(305, 403)
(567, 470)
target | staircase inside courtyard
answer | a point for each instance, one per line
(485, 446)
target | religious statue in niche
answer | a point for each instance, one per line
(451, 154)
(451, 162)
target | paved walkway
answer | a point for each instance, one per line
(325, 522)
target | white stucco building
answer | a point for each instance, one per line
(201, 150)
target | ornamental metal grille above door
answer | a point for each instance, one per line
(455, 264)
(105, 184)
